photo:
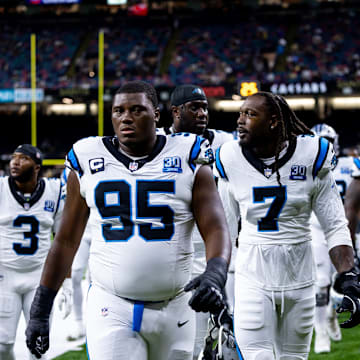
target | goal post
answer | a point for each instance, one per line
(57, 162)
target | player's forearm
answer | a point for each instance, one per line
(218, 244)
(342, 257)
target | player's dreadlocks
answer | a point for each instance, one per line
(289, 125)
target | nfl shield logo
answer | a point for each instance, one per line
(133, 166)
(267, 172)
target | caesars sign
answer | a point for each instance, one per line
(299, 88)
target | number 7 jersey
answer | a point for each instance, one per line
(140, 213)
(274, 242)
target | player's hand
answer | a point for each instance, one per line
(208, 294)
(37, 330)
(347, 283)
(65, 298)
(37, 336)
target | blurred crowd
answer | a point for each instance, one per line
(313, 47)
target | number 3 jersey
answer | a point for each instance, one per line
(274, 242)
(26, 224)
(140, 213)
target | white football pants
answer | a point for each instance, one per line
(273, 324)
(17, 290)
(119, 329)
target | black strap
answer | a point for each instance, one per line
(27, 202)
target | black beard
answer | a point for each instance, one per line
(25, 176)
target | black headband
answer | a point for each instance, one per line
(30, 151)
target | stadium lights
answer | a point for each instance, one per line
(345, 102)
(228, 105)
(93, 109)
(301, 103)
(66, 109)
(295, 104)
(67, 100)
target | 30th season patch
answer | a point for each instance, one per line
(298, 172)
(172, 164)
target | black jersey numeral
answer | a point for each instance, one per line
(341, 185)
(113, 201)
(270, 221)
(20, 221)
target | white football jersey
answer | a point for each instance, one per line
(356, 168)
(342, 172)
(140, 213)
(216, 139)
(26, 226)
(274, 242)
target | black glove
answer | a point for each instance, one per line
(208, 294)
(37, 331)
(347, 283)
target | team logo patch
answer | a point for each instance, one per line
(172, 164)
(198, 91)
(49, 205)
(298, 172)
(96, 165)
(209, 154)
(133, 166)
(104, 311)
(267, 172)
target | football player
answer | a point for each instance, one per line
(30, 212)
(326, 322)
(277, 174)
(78, 268)
(352, 205)
(141, 194)
(189, 108)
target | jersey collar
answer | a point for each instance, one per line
(26, 203)
(112, 143)
(263, 168)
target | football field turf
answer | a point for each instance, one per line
(347, 349)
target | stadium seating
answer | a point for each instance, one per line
(317, 47)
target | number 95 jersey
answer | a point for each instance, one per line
(140, 213)
(274, 242)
